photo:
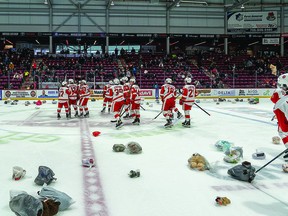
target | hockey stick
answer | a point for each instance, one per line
(202, 109)
(122, 109)
(158, 115)
(285, 151)
(142, 107)
(162, 110)
(196, 105)
(273, 118)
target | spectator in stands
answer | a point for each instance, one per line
(122, 52)
(133, 50)
(11, 66)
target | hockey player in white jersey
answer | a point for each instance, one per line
(188, 97)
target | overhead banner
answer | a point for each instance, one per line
(265, 21)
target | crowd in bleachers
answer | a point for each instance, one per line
(207, 69)
(14, 67)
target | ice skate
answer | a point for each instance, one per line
(58, 116)
(286, 157)
(179, 115)
(67, 115)
(76, 114)
(86, 114)
(103, 110)
(109, 110)
(168, 124)
(113, 120)
(119, 124)
(126, 116)
(136, 121)
(186, 124)
(81, 115)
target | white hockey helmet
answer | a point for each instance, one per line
(168, 80)
(132, 80)
(188, 80)
(64, 83)
(282, 81)
(116, 81)
(83, 81)
(71, 81)
(111, 82)
(122, 80)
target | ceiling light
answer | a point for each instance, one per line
(45, 1)
(242, 6)
(112, 3)
(178, 4)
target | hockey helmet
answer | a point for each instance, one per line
(132, 80)
(64, 83)
(71, 81)
(188, 80)
(168, 80)
(116, 81)
(282, 81)
(83, 81)
(111, 82)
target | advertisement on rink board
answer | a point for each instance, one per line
(145, 93)
(18, 94)
(47, 93)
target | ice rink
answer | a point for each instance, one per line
(32, 137)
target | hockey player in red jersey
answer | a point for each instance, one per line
(135, 100)
(280, 99)
(168, 97)
(115, 92)
(63, 97)
(106, 100)
(188, 97)
(73, 88)
(84, 93)
(126, 88)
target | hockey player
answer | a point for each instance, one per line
(126, 88)
(280, 99)
(84, 94)
(73, 88)
(115, 92)
(135, 101)
(168, 98)
(63, 97)
(188, 97)
(106, 100)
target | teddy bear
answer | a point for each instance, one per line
(197, 161)
(222, 201)
(50, 208)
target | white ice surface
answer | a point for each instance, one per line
(32, 137)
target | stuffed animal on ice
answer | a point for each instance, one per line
(222, 201)
(197, 161)
(233, 154)
(223, 145)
